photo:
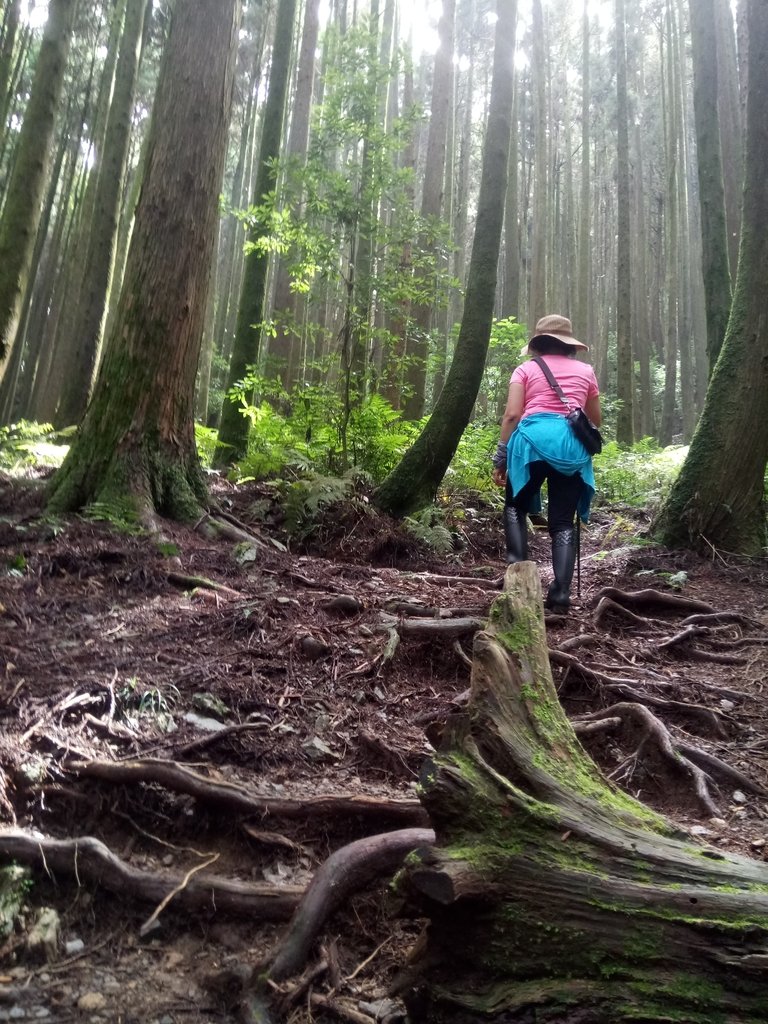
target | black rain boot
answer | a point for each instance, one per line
(516, 533)
(563, 561)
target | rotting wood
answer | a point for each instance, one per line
(549, 891)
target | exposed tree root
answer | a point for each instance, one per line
(653, 599)
(345, 872)
(216, 737)
(706, 760)
(654, 729)
(438, 628)
(88, 859)
(227, 795)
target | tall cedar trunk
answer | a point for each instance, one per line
(85, 339)
(717, 280)
(510, 305)
(671, 218)
(584, 247)
(551, 895)
(135, 451)
(23, 205)
(233, 431)
(539, 228)
(284, 343)
(718, 498)
(624, 363)
(731, 121)
(414, 481)
(10, 28)
(431, 208)
(63, 338)
(391, 387)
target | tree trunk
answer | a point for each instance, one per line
(135, 453)
(551, 895)
(85, 339)
(717, 280)
(21, 215)
(414, 481)
(539, 229)
(624, 363)
(718, 498)
(233, 431)
(431, 208)
(285, 342)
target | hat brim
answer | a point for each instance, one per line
(567, 339)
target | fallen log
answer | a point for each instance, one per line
(551, 894)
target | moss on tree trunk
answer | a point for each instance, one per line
(552, 895)
(135, 452)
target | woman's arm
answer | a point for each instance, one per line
(514, 410)
(592, 409)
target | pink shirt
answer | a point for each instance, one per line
(577, 380)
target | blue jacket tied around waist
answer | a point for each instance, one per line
(547, 437)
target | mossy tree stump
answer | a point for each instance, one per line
(552, 895)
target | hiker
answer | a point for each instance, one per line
(543, 447)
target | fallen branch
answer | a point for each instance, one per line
(227, 795)
(215, 737)
(193, 582)
(88, 859)
(442, 628)
(345, 872)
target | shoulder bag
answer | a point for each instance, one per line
(582, 426)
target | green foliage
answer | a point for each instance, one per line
(505, 352)
(25, 444)
(639, 476)
(120, 513)
(470, 469)
(303, 500)
(304, 431)
(206, 439)
(428, 527)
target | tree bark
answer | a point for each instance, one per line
(717, 279)
(553, 896)
(234, 428)
(85, 339)
(135, 452)
(718, 498)
(23, 203)
(624, 362)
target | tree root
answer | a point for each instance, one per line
(653, 728)
(706, 760)
(343, 873)
(227, 795)
(430, 628)
(193, 582)
(216, 737)
(653, 599)
(88, 859)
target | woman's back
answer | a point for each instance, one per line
(577, 380)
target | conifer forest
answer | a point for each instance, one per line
(285, 733)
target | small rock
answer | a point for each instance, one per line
(41, 1013)
(700, 830)
(739, 797)
(757, 844)
(718, 822)
(312, 648)
(317, 750)
(201, 722)
(74, 946)
(727, 705)
(167, 860)
(91, 1001)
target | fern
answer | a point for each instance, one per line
(427, 526)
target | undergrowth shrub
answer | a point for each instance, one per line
(637, 476)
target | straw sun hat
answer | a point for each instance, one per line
(556, 326)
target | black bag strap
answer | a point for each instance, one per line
(552, 382)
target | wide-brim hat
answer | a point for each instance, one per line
(556, 326)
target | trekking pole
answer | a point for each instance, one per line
(578, 556)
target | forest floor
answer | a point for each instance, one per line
(247, 730)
